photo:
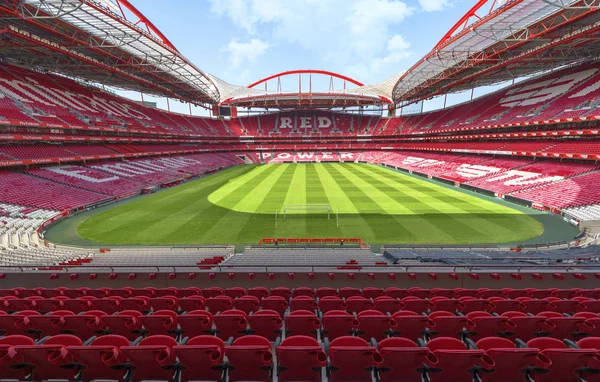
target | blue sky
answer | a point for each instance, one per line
(242, 41)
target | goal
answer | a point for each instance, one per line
(306, 209)
(313, 210)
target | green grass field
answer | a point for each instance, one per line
(238, 205)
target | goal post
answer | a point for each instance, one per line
(307, 209)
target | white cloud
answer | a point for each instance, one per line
(242, 52)
(341, 33)
(434, 5)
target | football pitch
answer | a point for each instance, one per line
(244, 204)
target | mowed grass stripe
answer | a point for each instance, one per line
(391, 205)
(297, 187)
(250, 199)
(444, 227)
(454, 205)
(481, 215)
(340, 201)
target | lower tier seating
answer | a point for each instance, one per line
(300, 334)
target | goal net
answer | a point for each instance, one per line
(306, 209)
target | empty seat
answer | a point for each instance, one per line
(352, 359)
(411, 325)
(231, 323)
(247, 304)
(338, 323)
(152, 359)
(511, 363)
(300, 358)
(374, 324)
(48, 358)
(302, 322)
(101, 359)
(195, 323)
(455, 362)
(250, 359)
(567, 364)
(403, 360)
(303, 303)
(266, 323)
(201, 359)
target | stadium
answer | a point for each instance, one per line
(328, 230)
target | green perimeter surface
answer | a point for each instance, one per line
(238, 206)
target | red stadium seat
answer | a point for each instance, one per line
(352, 359)
(48, 358)
(486, 325)
(386, 304)
(85, 325)
(566, 364)
(201, 359)
(247, 303)
(403, 360)
(152, 359)
(411, 325)
(126, 324)
(455, 362)
(338, 323)
(231, 323)
(219, 303)
(329, 303)
(511, 363)
(302, 322)
(303, 303)
(374, 324)
(276, 303)
(266, 323)
(357, 304)
(193, 302)
(163, 322)
(447, 324)
(303, 292)
(250, 359)
(10, 360)
(195, 323)
(300, 358)
(102, 359)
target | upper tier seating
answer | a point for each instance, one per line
(35, 98)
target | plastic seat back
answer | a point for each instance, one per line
(338, 323)
(153, 359)
(102, 359)
(266, 323)
(231, 323)
(47, 359)
(374, 324)
(352, 359)
(195, 323)
(411, 325)
(455, 362)
(300, 358)
(302, 322)
(201, 359)
(403, 360)
(250, 359)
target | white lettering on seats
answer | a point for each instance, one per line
(82, 173)
(475, 171)
(305, 155)
(534, 93)
(285, 123)
(522, 178)
(324, 122)
(305, 122)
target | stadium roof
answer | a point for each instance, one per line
(112, 43)
(359, 95)
(100, 41)
(498, 41)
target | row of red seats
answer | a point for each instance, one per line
(299, 358)
(251, 303)
(345, 292)
(336, 323)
